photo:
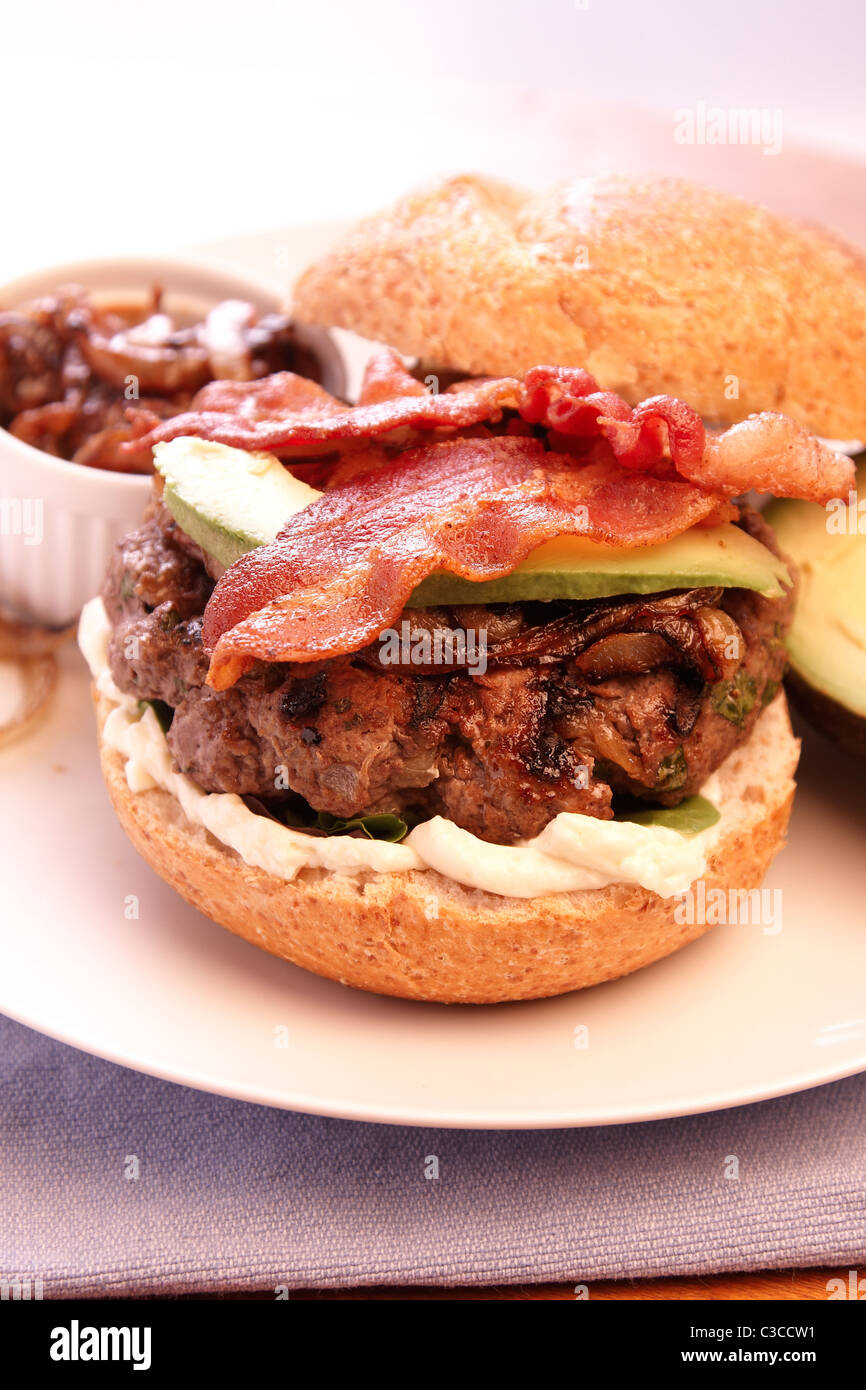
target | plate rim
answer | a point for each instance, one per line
(393, 1115)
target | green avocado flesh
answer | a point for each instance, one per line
(827, 641)
(230, 501)
(227, 500)
(576, 568)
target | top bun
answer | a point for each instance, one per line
(654, 285)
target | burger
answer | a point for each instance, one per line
(470, 690)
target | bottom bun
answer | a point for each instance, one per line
(420, 935)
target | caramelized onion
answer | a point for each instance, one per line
(611, 746)
(671, 617)
(31, 649)
(624, 653)
(38, 675)
(20, 641)
(723, 640)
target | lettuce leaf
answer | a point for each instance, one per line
(380, 826)
(689, 818)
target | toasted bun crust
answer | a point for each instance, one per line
(422, 936)
(654, 285)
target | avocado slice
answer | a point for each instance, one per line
(230, 501)
(572, 567)
(827, 641)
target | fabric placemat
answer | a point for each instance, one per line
(233, 1195)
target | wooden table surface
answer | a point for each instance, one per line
(790, 1284)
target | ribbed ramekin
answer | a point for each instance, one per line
(60, 521)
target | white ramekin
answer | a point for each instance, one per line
(60, 521)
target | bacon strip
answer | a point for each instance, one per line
(262, 415)
(283, 412)
(568, 401)
(240, 410)
(259, 402)
(287, 414)
(772, 453)
(342, 569)
(385, 376)
(766, 452)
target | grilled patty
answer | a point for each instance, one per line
(639, 696)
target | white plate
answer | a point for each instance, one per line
(736, 1017)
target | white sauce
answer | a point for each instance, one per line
(571, 852)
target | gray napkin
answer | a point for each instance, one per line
(115, 1183)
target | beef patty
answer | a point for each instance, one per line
(643, 696)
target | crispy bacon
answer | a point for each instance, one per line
(253, 404)
(568, 401)
(386, 376)
(262, 415)
(342, 569)
(291, 416)
(282, 413)
(772, 453)
(766, 452)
